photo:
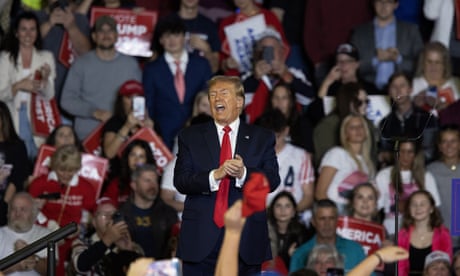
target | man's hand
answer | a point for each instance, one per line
(199, 44)
(102, 115)
(231, 167)
(262, 68)
(115, 232)
(383, 55)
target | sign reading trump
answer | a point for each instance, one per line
(135, 29)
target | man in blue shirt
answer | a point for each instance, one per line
(325, 216)
(386, 45)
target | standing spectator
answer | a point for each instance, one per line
(325, 217)
(172, 81)
(342, 168)
(410, 177)
(199, 174)
(267, 72)
(76, 196)
(351, 98)
(149, 219)
(245, 9)
(434, 71)
(12, 153)
(445, 169)
(328, 23)
(386, 45)
(446, 29)
(25, 70)
(285, 230)
(405, 119)
(92, 83)
(65, 33)
(20, 232)
(110, 249)
(422, 232)
(201, 36)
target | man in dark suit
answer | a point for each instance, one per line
(386, 45)
(172, 81)
(199, 175)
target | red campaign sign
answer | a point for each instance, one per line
(45, 115)
(93, 168)
(161, 153)
(135, 29)
(92, 143)
(66, 52)
(370, 235)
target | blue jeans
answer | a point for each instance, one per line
(25, 132)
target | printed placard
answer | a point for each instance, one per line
(241, 37)
(369, 235)
(135, 29)
(44, 114)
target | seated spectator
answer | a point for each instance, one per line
(386, 45)
(136, 153)
(437, 263)
(63, 135)
(347, 63)
(404, 119)
(456, 264)
(149, 219)
(172, 81)
(21, 231)
(325, 215)
(14, 167)
(445, 169)
(351, 98)
(300, 123)
(322, 257)
(434, 85)
(295, 168)
(110, 249)
(24, 77)
(285, 230)
(245, 9)
(363, 202)
(268, 71)
(412, 177)
(422, 233)
(344, 167)
(124, 122)
(76, 196)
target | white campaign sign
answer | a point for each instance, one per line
(241, 37)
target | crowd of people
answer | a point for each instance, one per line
(224, 123)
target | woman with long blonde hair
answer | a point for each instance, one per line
(342, 168)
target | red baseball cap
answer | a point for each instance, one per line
(131, 88)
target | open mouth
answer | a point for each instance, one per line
(220, 107)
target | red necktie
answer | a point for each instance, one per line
(179, 82)
(222, 194)
(457, 18)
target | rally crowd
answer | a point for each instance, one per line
(396, 172)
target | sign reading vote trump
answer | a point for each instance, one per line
(369, 235)
(241, 37)
(135, 29)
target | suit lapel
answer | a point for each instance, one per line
(212, 142)
(243, 139)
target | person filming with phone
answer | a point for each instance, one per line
(110, 248)
(269, 68)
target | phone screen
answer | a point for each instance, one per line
(268, 54)
(139, 107)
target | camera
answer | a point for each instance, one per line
(117, 217)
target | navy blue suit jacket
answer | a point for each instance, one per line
(199, 151)
(161, 98)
